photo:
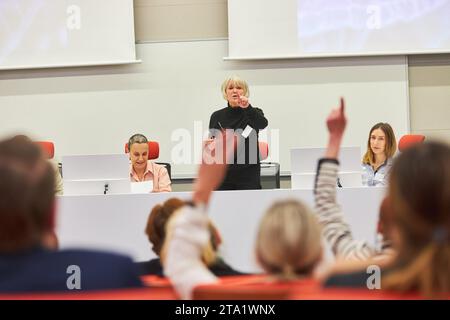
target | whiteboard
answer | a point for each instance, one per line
(58, 33)
(177, 87)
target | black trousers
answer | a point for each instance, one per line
(242, 177)
(239, 186)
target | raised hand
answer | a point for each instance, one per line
(336, 123)
(243, 102)
(213, 168)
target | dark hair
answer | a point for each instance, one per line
(419, 194)
(160, 216)
(157, 221)
(26, 194)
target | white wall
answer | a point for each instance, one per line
(429, 75)
(162, 20)
(429, 84)
(95, 110)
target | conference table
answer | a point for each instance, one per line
(117, 222)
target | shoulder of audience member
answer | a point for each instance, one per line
(351, 273)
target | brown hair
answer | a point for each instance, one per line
(420, 197)
(391, 143)
(26, 194)
(158, 220)
(288, 243)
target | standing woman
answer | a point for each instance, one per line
(377, 161)
(239, 115)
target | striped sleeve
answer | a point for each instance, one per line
(334, 229)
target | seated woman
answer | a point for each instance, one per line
(142, 169)
(416, 221)
(156, 233)
(334, 229)
(377, 161)
(288, 241)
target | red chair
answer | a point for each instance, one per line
(255, 287)
(48, 148)
(116, 294)
(153, 150)
(219, 292)
(409, 140)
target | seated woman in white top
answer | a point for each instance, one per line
(143, 169)
(377, 161)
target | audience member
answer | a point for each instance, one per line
(28, 260)
(418, 219)
(288, 242)
(156, 233)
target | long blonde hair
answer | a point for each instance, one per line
(391, 143)
(420, 198)
(288, 243)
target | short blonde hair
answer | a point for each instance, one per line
(288, 243)
(236, 81)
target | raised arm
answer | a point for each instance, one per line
(188, 230)
(335, 230)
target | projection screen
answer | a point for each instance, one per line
(58, 33)
(261, 29)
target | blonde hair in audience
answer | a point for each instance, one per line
(391, 143)
(288, 243)
(420, 197)
(235, 80)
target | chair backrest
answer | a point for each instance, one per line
(153, 150)
(237, 292)
(409, 140)
(166, 293)
(168, 168)
(48, 148)
(255, 287)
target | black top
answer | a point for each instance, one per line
(154, 267)
(245, 171)
(356, 279)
